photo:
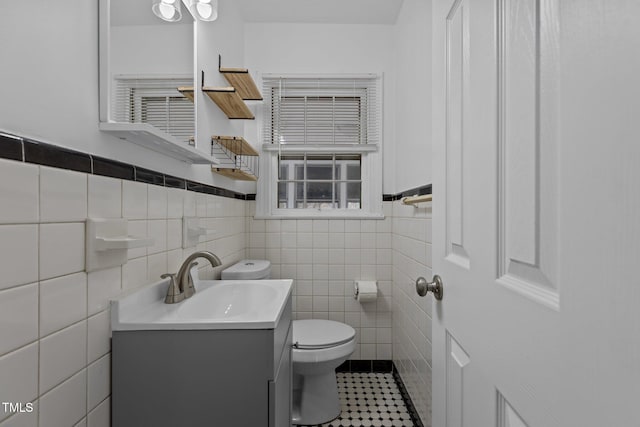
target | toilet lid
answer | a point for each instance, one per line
(318, 333)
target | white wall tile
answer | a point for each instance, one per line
(53, 261)
(189, 203)
(63, 195)
(134, 200)
(156, 266)
(62, 354)
(99, 336)
(304, 226)
(98, 381)
(29, 419)
(18, 254)
(66, 404)
(102, 286)
(304, 240)
(137, 228)
(158, 230)
(105, 197)
(63, 301)
(101, 415)
(19, 377)
(18, 184)
(174, 234)
(157, 202)
(174, 260)
(368, 226)
(288, 226)
(134, 273)
(175, 203)
(18, 317)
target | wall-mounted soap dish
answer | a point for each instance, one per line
(191, 231)
(107, 242)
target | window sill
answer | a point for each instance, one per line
(321, 215)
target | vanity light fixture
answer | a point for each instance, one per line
(168, 10)
(204, 10)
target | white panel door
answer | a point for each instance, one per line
(536, 213)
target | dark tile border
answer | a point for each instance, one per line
(51, 155)
(14, 147)
(26, 150)
(11, 147)
(415, 418)
(149, 177)
(173, 182)
(113, 169)
(418, 191)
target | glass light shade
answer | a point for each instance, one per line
(204, 10)
(167, 10)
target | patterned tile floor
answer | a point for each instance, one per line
(370, 399)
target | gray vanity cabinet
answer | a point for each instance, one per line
(198, 378)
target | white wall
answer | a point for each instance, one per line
(225, 37)
(413, 95)
(327, 48)
(166, 48)
(49, 87)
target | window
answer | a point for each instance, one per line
(321, 140)
(319, 181)
(155, 101)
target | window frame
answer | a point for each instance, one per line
(370, 169)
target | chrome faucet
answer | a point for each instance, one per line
(181, 284)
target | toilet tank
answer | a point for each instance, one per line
(248, 269)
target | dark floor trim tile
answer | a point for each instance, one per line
(415, 418)
(381, 366)
(11, 147)
(344, 367)
(378, 366)
(149, 177)
(113, 169)
(52, 155)
(361, 366)
(250, 197)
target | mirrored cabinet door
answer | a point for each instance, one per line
(146, 63)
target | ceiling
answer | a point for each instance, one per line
(138, 12)
(321, 11)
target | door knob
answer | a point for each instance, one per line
(423, 287)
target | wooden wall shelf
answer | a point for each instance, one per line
(235, 144)
(237, 158)
(237, 174)
(229, 101)
(187, 91)
(240, 79)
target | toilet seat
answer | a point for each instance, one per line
(318, 334)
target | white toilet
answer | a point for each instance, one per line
(319, 347)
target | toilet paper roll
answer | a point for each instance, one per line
(365, 290)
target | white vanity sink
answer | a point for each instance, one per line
(217, 304)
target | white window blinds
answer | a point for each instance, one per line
(155, 101)
(322, 110)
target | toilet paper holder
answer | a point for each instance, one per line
(423, 287)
